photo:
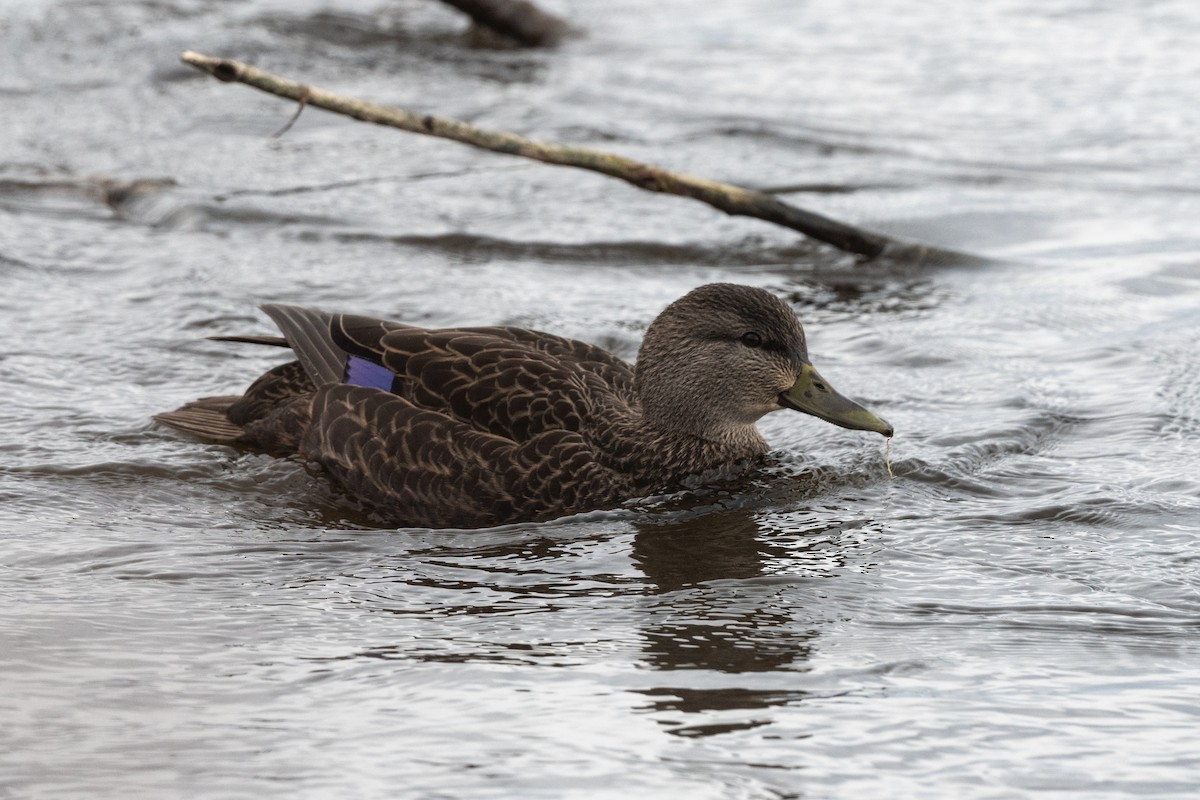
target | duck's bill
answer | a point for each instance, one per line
(812, 394)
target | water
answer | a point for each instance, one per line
(1016, 614)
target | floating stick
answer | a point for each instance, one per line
(733, 200)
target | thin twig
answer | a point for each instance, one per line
(296, 116)
(731, 199)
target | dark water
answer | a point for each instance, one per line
(1016, 614)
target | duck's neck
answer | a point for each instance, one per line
(682, 452)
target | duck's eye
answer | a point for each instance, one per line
(751, 339)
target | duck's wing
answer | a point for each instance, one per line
(511, 382)
(401, 348)
(423, 468)
(324, 342)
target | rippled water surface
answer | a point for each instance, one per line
(1016, 613)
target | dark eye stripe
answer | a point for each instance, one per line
(765, 344)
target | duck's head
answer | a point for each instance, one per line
(720, 357)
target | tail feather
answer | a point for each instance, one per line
(206, 419)
(307, 332)
(274, 341)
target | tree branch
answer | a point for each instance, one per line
(519, 20)
(729, 198)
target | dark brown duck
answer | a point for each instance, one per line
(471, 427)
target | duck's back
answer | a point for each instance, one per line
(440, 427)
(509, 382)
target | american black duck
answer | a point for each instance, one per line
(471, 427)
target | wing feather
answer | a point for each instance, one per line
(425, 468)
(307, 332)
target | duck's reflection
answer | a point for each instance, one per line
(717, 608)
(727, 605)
(723, 545)
(703, 619)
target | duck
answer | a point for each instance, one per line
(483, 426)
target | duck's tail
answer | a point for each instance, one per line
(306, 331)
(206, 418)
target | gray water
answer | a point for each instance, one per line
(1015, 614)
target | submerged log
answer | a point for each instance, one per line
(519, 20)
(731, 199)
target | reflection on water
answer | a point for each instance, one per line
(1014, 614)
(701, 626)
(737, 594)
(722, 545)
(842, 295)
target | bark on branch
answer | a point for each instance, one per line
(731, 199)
